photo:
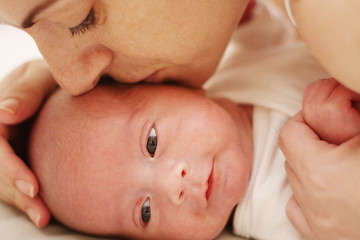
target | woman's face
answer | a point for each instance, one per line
(131, 40)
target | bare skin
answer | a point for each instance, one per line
(326, 207)
(131, 40)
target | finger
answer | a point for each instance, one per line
(299, 142)
(19, 186)
(298, 219)
(340, 105)
(34, 208)
(24, 96)
(297, 186)
(294, 181)
(351, 100)
(352, 146)
(14, 171)
(290, 173)
(37, 211)
(344, 95)
(356, 105)
(319, 90)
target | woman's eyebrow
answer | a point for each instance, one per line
(29, 20)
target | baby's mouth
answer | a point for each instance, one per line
(210, 183)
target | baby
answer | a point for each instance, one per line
(327, 101)
(142, 161)
(174, 170)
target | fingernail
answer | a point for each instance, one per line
(25, 187)
(11, 105)
(34, 216)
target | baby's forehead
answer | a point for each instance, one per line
(94, 104)
(96, 118)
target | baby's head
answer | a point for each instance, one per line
(141, 161)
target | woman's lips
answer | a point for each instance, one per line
(152, 78)
(210, 183)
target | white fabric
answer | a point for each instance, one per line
(261, 213)
(16, 47)
(267, 67)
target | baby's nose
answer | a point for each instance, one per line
(173, 181)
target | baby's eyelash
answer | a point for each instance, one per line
(87, 24)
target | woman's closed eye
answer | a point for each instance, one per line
(152, 142)
(85, 25)
(146, 211)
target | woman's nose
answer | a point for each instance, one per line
(173, 181)
(82, 72)
(76, 66)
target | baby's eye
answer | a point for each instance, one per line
(146, 211)
(152, 142)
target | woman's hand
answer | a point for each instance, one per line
(325, 180)
(22, 93)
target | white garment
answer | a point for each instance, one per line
(268, 67)
(261, 213)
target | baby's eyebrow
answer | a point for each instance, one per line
(29, 20)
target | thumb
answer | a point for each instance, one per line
(24, 90)
(298, 219)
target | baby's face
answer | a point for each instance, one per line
(145, 161)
